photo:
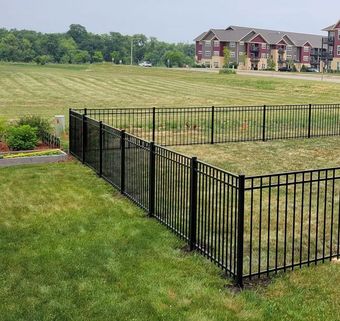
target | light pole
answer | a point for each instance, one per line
(131, 51)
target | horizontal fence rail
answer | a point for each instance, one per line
(248, 225)
(209, 125)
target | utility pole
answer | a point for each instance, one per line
(131, 51)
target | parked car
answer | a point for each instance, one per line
(310, 69)
(146, 64)
(285, 69)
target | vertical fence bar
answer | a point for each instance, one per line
(153, 123)
(100, 148)
(193, 203)
(84, 136)
(152, 179)
(240, 231)
(309, 119)
(122, 160)
(212, 123)
(264, 123)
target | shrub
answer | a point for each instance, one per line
(41, 124)
(227, 71)
(303, 68)
(21, 137)
(43, 60)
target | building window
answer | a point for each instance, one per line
(264, 46)
(232, 45)
(289, 48)
(241, 53)
(208, 53)
(216, 43)
(289, 56)
(215, 64)
(208, 43)
(232, 54)
(305, 49)
(338, 50)
(263, 66)
(305, 58)
(216, 53)
(339, 34)
(241, 43)
(199, 52)
(338, 66)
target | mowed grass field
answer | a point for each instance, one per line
(52, 89)
(256, 158)
(72, 248)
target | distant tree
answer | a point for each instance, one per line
(226, 57)
(97, 56)
(43, 60)
(175, 58)
(78, 33)
(271, 63)
(81, 57)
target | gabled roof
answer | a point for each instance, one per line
(201, 36)
(331, 27)
(237, 33)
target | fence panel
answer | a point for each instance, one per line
(76, 134)
(111, 155)
(136, 167)
(237, 124)
(291, 220)
(284, 122)
(92, 146)
(325, 120)
(183, 126)
(172, 190)
(136, 121)
(217, 224)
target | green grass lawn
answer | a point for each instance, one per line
(252, 158)
(73, 249)
(52, 89)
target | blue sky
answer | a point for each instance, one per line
(173, 21)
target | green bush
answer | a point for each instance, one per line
(227, 71)
(303, 68)
(21, 137)
(41, 124)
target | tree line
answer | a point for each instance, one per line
(78, 46)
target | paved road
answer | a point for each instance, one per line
(287, 75)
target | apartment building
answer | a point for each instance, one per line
(332, 45)
(253, 48)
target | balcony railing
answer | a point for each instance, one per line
(328, 40)
(254, 49)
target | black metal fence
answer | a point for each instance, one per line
(208, 125)
(247, 225)
(50, 140)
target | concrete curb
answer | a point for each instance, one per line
(33, 160)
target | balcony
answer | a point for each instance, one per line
(254, 48)
(328, 40)
(327, 56)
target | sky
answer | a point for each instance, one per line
(168, 20)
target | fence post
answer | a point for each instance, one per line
(309, 119)
(153, 123)
(152, 179)
(264, 123)
(122, 161)
(240, 231)
(212, 123)
(84, 137)
(193, 203)
(100, 148)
